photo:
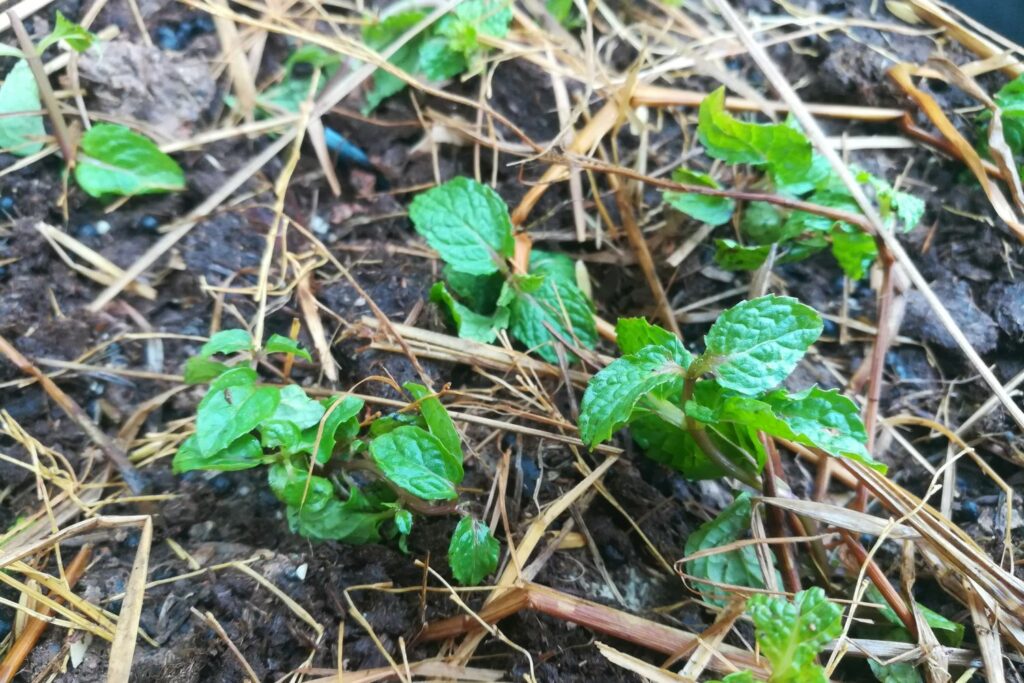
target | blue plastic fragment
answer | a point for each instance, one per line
(337, 143)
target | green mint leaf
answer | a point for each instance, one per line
(473, 552)
(816, 175)
(280, 344)
(948, 632)
(556, 301)
(381, 34)
(710, 210)
(239, 376)
(735, 567)
(232, 412)
(438, 61)
(825, 419)
(633, 334)
(762, 223)
(403, 522)
(468, 323)
(1010, 100)
(226, 342)
(241, 454)
(297, 408)
(199, 370)
(337, 521)
(20, 135)
(854, 250)
(900, 672)
(439, 423)
(77, 38)
(800, 222)
(418, 462)
(612, 393)
(785, 150)
(801, 249)
(738, 677)
(289, 484)
(466, 223)
(340, 425)
(754, 345)
(314, 55)
(671, 446)
(791, 634)
(479, 292)
(114, 160)
(731, 255)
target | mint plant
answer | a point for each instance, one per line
(110, 159)
(791, 635)
(446, 49)
(791, 168)
(468, 225)
(338, 479)
(703, 415)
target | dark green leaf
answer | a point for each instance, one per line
(297, 487)
(703, 208)
(337, 521)
(469, 324)
(763, 224)
(948, 632)
(314, 55)
(613, 392)
(900, 672)
(473, 552)
(295, 407)
(438, 61)
(241, 454)
(340, 425)
(731, 255)
(438, 422)
(466, 223)
(735, 567)
(854, 250)
(754, 345)
(21, 135)
(199, 370)
(381, 34)
(116, 161)
(479, 292)
(633, 334)
(418, 462)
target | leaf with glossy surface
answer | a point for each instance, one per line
(731, 255)
(854, 250)
(199, 370)
(754, 345)
(439, 422)
(296, 486)
(612, 393)
(791, 634)
(232, 412)
(227, 342)
(281, 344)
(418, 462)
(633, 334)
(241, 454)
(468, 323)
(114, 160)
(473, 552)
(76, 37)
(20, 135)
(381, 34)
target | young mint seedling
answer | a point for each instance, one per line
(707, 428)
(338, 481)
(468, 224)
(446, 49)
(792, 169)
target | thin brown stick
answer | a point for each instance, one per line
(114, 452)
(34, 628)
(889, 593)
(777, 519)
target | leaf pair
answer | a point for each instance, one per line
(468, 224)
(442, 51)
(793, 169)
(749, 350)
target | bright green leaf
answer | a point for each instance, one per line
(791, 634)
(947, 631)
(232, 412)
(703, 208)
(473, 552)
(479, 292)
(77, 38)
(314, 55)
(297, 408)
(731, 255)
(403, 522)
(381, 34)
(438, 61)
(418, 462)
(762, 223)
(280, 344)
(854, 250)
(20, 135)
(227, 342)
(296, 486)
(199, 370)
(738, 677)
(754, 345)
(900, 672)
(439, 422)
(117, 161)
(340, 425)
(633, 334)
(337, 521)
(241, 454)
(467, 223)
(613, 392)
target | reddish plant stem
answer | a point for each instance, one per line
(777, 518)
(889, 594)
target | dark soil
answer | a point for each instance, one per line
(233, 517)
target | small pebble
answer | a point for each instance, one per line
(148, 223)
(6, 204)
(319, 225)
(102, 227)
(86, 230)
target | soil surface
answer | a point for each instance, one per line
(209, 521)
